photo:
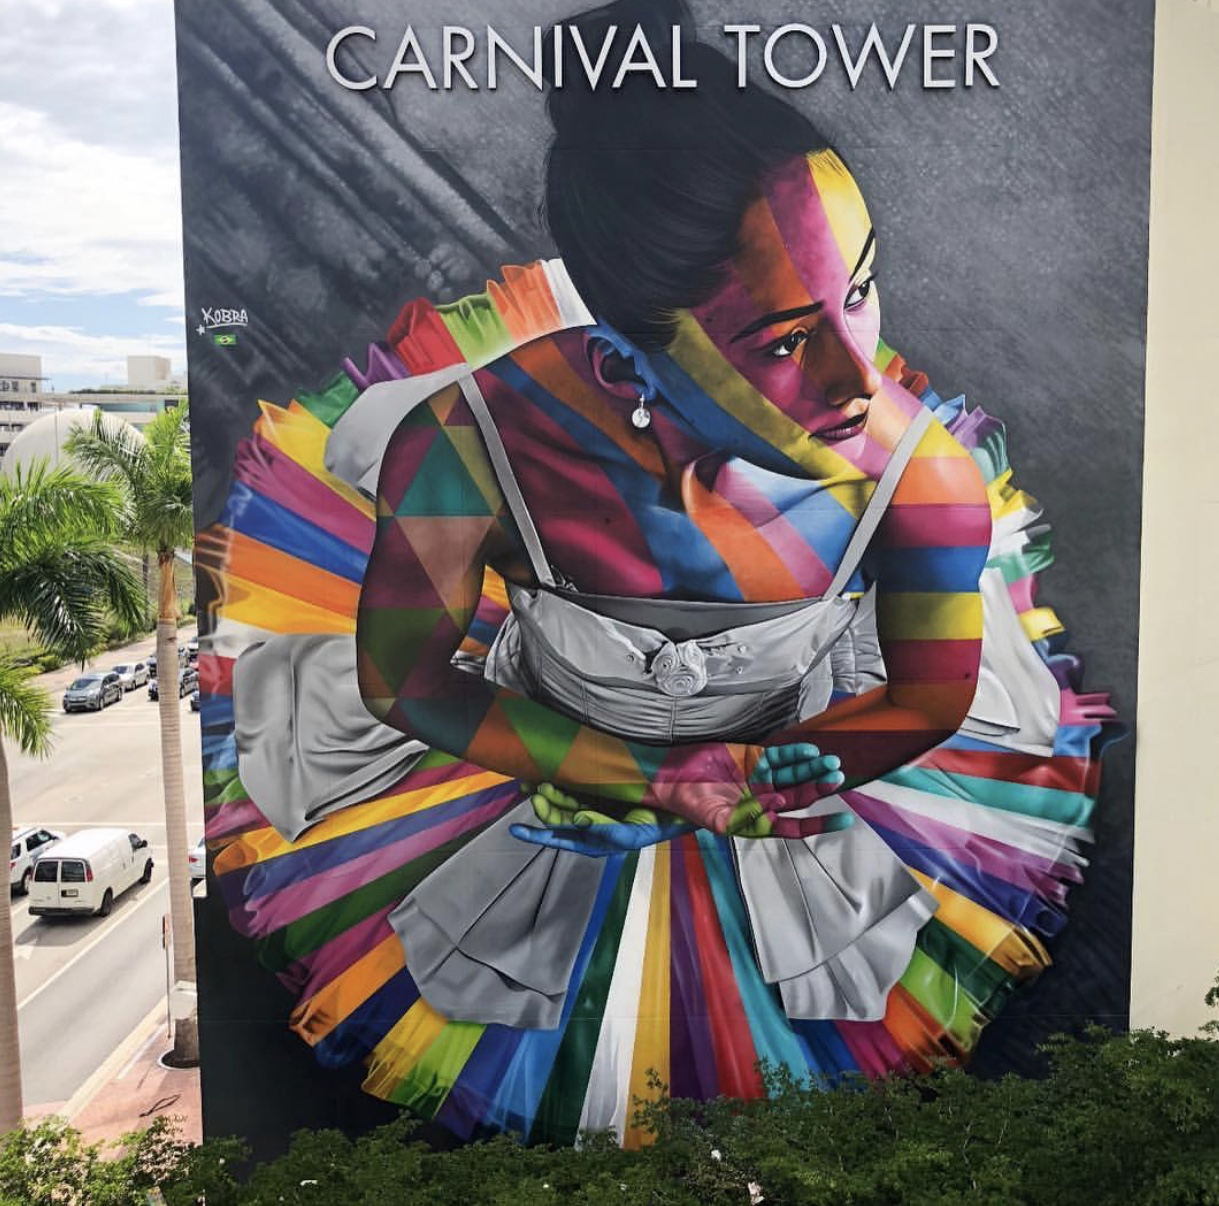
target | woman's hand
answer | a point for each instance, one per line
(786, 778)
(755, 812)
(570, 826)
(791, 765)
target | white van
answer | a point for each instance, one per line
(86, 871)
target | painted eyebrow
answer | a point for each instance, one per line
(802, 311)
(778, 316)
(867, 248)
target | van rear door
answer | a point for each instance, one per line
(44, 891)
(74, 874)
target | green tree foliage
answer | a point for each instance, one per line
(1128, 1120)
(60, 575)
(50, 1165)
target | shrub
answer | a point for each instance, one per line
(1122, 1119)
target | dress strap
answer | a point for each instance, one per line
(507, 479)
(878, 504)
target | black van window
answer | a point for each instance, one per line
(73, 872)
(46, 870)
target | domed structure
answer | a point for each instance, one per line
(44, 439)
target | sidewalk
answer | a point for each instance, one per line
(132, 1088)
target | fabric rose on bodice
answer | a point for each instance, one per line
(680, 670)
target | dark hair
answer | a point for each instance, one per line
(646, 188)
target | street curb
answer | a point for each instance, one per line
(115, 1061)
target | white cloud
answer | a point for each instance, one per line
(88, 144)
(69, 353)
(78, 218)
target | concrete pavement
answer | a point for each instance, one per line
(131, 1088)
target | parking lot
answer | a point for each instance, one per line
(83, 983)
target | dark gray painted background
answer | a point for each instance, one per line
(1012, 228)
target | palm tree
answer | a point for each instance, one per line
(152, 473)
(61, 577)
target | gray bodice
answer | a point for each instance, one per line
(668, 671)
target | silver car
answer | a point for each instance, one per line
(131, 674)
(92, 692)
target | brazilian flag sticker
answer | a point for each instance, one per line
(227, 340)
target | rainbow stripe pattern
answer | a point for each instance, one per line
(666, 980)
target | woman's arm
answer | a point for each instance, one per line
(927, 558)
(441, 519)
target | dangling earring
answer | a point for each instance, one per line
(641, 416)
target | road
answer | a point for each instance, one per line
(84, 983)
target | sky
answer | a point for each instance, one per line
(90, 212)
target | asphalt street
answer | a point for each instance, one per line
(84, 983)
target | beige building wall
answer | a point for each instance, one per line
(1176, 848)
(20, 374)
(148, 372)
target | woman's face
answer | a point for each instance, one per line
(786, 346)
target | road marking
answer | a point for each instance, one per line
(101, 937)
(111, 722)
(76, 826)
(108, 825)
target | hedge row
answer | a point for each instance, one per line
(1116, 1119)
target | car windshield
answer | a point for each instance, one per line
(121, 669)
(90, 680)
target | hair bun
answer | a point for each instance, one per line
(569, 105)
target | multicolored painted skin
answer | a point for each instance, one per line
(787, 344)
(667, 980)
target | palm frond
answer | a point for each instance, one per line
(64, 587)
(36, 497)
(107, 452)
(25, 710)
(153, 472)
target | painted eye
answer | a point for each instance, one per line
(860, 294)
(788, 345)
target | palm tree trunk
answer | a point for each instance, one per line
(170, 704)
(10, 1040)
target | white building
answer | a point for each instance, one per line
(149, 372)
(21, 395)
(23, 400)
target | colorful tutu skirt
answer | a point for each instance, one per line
(664, 986)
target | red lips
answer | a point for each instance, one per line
(844, 430)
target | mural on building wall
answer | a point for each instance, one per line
(632, 665)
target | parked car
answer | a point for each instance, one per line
(194, 700)
(87, 872)
(188, 680)
(131, 674)
(196, 860)
(192, 648)
(28, 844)
(183, 658)
(92, 692)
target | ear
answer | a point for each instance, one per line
(619, 366)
